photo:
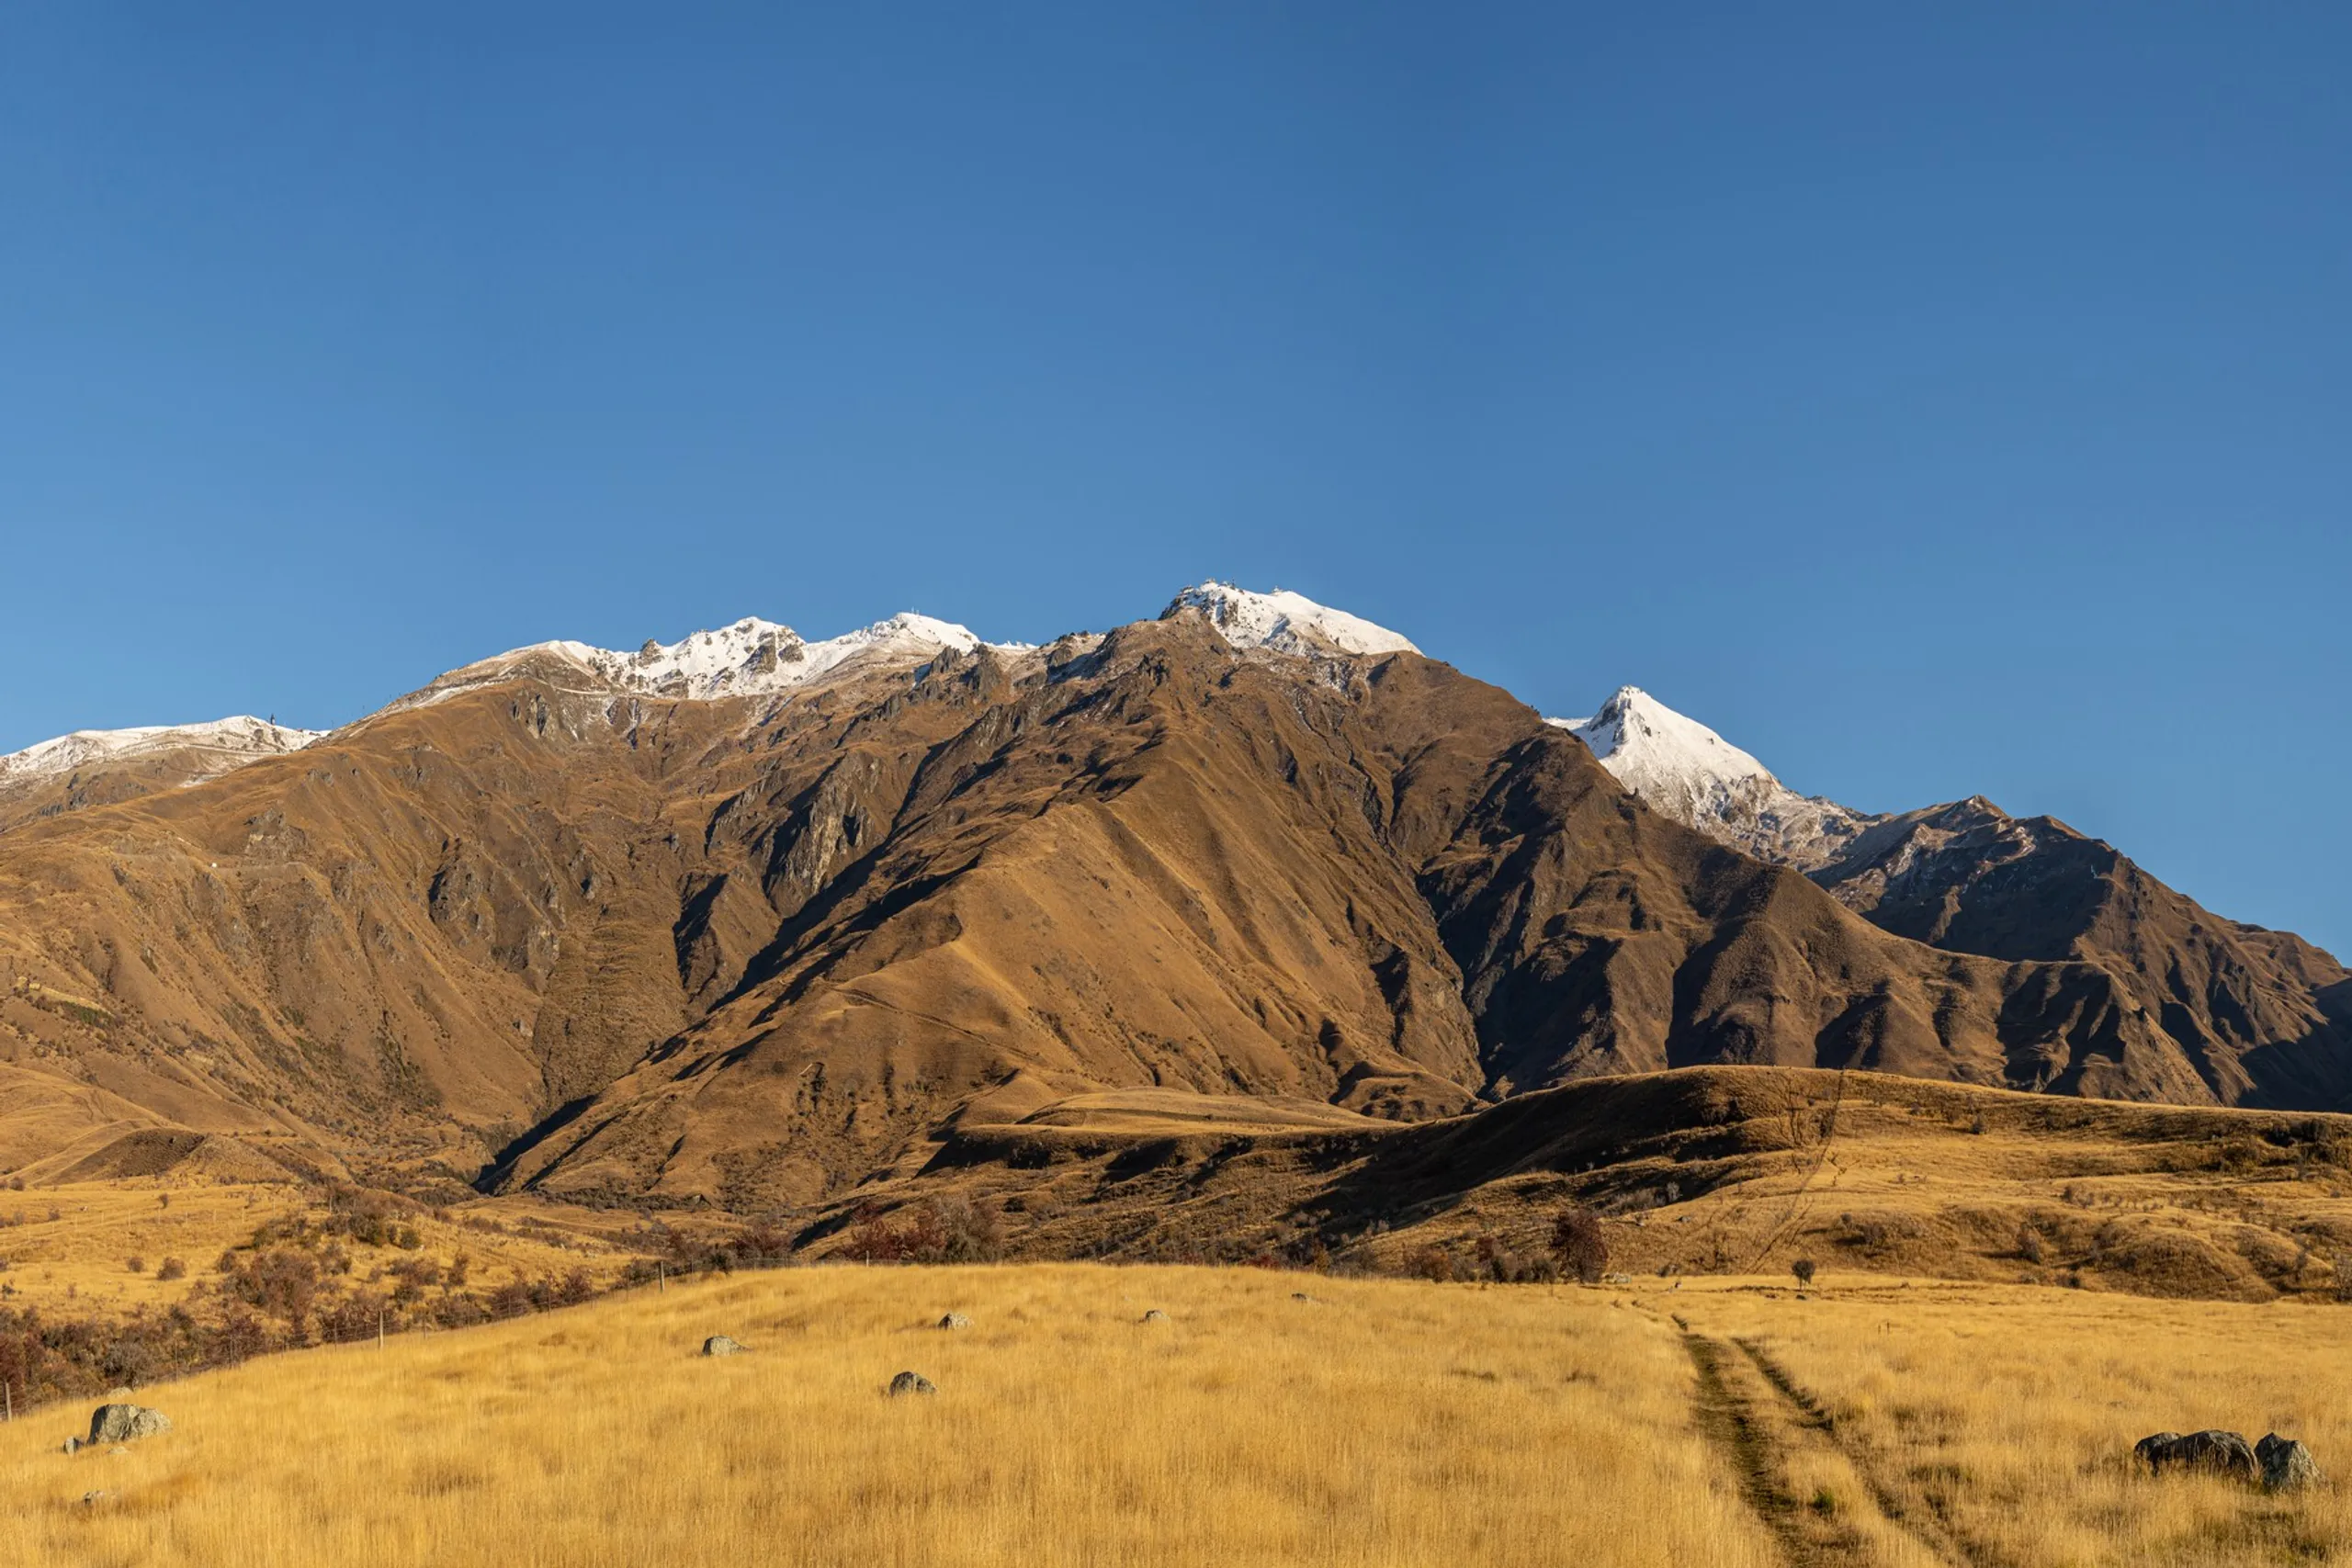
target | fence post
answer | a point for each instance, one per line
(380, 1328)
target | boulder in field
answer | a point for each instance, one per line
(719, 1344)
(2287, 1465)
(1155, 1315)
(2212, 1453)
(911, 1382)
(121, 1423)
(955, 1320)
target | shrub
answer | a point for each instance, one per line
(512, 1299)
(2030, 1245)
(412, 1277)
(1580, 1244)
(1803, 1270)
(354, 1316)
(135, 1263)
(172, 1269)
(282, 1282)
(458, 1310)
(944, 1230)
(1433, 1263)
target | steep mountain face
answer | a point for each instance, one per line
(2246, 1008)
(749, 920)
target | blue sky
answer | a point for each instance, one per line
(1944, 402)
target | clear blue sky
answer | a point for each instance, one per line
(1934, 400)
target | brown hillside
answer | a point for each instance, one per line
(755, 950)
(2243, 1005)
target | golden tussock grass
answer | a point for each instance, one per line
(2001, 1419)
(1382, 1423)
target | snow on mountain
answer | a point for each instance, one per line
(750, 658)
(1288, 623)
(228, 742)
(1679, 767)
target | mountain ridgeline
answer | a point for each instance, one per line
(2262, 1017)
(748, 921)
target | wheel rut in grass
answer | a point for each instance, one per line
(1916, 1518)
(1820, 1506)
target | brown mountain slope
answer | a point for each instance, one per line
(1172, 865)
(2243, 1004)
(755, 948)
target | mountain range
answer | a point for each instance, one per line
(748, 919)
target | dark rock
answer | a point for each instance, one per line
(719, 1344)
(121, 1423)
(912, 1382)
(2213, 1453)
(2287, 1465)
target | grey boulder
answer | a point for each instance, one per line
(121, 1423)
(2287, 1465)
(911, 1382)
(955, 1320)
(719, 1344)
(2212, 1453)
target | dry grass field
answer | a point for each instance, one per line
(1380, 1422)
(1994, 1424)
(1730, 1422)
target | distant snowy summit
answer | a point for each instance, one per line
(1285, 622)
(217, 746)
(1680, 768)
(750, 658)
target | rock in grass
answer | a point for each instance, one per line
(911, 1382)
(2287, 1465)
(121, 1423)
(955, 1320)
(1155, 1315)
(2213, 1453)
(719, 1344)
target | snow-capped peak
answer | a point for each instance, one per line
(1285, 622)
(1649, 741)
(749, 658)
(225, 744)
(1680, 768)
